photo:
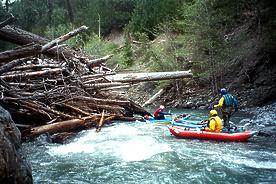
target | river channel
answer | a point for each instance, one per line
(138, 152)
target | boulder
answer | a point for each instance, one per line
(14, 165)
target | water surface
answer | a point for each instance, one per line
(137, 152)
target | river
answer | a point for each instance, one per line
(137, 152)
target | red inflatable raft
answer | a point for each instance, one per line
(180, 132)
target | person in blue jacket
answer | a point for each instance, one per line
(228, 104)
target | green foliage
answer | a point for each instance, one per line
(127, 55)
(61, 29)
(97, 47)
(203, 26)
(148, 15)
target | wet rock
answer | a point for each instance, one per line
(14, 165)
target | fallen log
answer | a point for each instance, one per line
(154, 76)
(33, 74)
(100, 101)
(94, 76)
(76, 109)
(7, 21)
(154, 97)
(102, 85)
(63, 38)
(35, 67)
(48, 110)
(30, 50)
(7, 67)
(98, 62)
(57, 127)
(21, 37)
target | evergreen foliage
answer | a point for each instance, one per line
(197, 34)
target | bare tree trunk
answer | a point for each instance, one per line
(7, 5)
(50, 11)
(70, 10)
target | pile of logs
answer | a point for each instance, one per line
(51, 88)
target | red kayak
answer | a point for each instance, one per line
(181, 132)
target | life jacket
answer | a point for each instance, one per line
(156, 112)
(218, 126)
(228, 100)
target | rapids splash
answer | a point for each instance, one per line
(143, 153)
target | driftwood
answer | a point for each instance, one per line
(10, 20)
(33, 74)
(153, 98)
(22, 52)
(35, 67)
(99, 61)
(63, 38)
(10, 65)
(62, 126)
(66, 96)
(102, 85)
(21, 37)
(141, 77)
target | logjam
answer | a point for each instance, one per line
(45, 94)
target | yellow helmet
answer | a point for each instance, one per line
(213, 113)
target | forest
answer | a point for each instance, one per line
(217, 40)
(68, 68)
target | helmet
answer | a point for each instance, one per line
(162, 107)
(223, 91)
(213, 113)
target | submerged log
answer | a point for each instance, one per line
(154, 76)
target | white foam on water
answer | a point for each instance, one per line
(255, 164)
(123, 142)
(141, 149)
